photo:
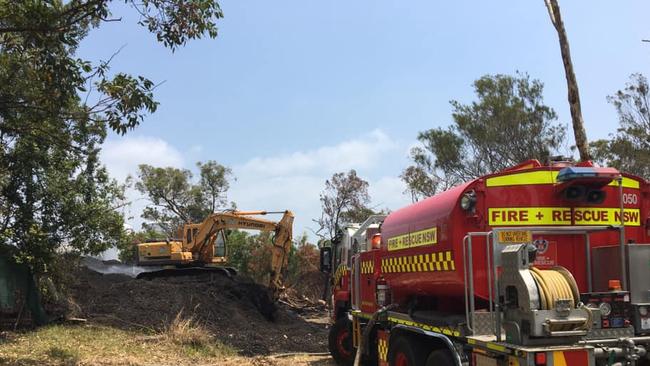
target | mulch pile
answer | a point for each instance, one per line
(233, 310)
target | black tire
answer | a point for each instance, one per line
(340, 342)
(643, 362)
(440, 357)
(371, 354)
(407, 351)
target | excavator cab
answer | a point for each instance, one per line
(215, 251)
(220, 245)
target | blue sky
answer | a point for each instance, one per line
(293, 91)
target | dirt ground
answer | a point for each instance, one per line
(229, 309)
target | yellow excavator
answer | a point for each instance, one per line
(202, 247)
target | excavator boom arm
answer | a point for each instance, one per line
(204, 237)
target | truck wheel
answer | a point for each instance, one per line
(407, 351)
(440, 357)
(340, 342)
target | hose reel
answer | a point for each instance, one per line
(542, 306)
(554, 285)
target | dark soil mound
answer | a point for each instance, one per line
(229, 309)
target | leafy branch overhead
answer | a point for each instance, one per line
(507, 124)
(174, 22)
(56, 110)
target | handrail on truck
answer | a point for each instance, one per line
(491, 258)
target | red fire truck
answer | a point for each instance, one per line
(535, 265)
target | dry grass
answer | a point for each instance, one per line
(183, 343)
(186, 331)
(100, 345)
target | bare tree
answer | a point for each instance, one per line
(344, 194)
(572, 84)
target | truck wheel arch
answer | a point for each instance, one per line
(340, 342)
(431, 340)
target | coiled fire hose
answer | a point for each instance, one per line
(558, 284)
(553, 286)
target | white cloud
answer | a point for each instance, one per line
(291, 181)
(358, 153)
(294, 181)
(388, 192)
(122, 156)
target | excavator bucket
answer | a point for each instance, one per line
(281, 246)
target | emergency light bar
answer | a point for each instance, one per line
(583, 184)
(600, 174)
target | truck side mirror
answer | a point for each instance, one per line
(326, 259)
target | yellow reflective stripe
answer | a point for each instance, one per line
(439, 261)
(453, 266)
(382, 349)
(496, 347)
(367, 267)
(543, 177)
(627, 183)
(341, 271)
(442, 330)
(558, 359)
(518, 179)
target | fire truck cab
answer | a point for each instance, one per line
(351, 239)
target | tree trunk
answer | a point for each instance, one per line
(572, 83)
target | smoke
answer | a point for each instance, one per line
(100, 266)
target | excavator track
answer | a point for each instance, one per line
(228, 272)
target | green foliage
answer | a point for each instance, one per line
(54, 194)
(127, 245)
(345, 195)
(240, 250)
(176, 200)
(507, 125)
(214, 184)
(360, 214)
(629, 149)
(304, 258)
(176, 21)
(131, 95)
(251, 256)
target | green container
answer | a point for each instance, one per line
(17, 286)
